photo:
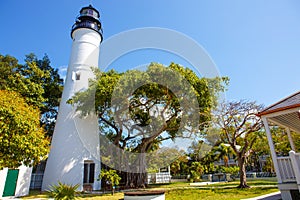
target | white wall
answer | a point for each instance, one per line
(3, 174)
(23, 182)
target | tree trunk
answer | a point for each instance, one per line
(136, 180)
(137, 174)
(243, 180)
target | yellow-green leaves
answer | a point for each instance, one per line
(22, 139)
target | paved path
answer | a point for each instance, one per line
(271, 196)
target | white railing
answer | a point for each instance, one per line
(162, 177)
(230, 162)
(297, 156)
(286, 170)
(295, 160)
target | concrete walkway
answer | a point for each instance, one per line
(271, 196)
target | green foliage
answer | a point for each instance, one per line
(38, 83)
(210, 168)
(63, 191)
(22, 80)
(163, 156)
(179, 166)
(234, 171)
(112, 83)
(281, 144)
(111, 176)
(22, 138)
(52, 84)
(269, 166)
(138, 110)
(222, 151)
(240, 128)
(196, 170)
(198, 150)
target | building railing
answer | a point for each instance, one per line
(295, 161)
(286, 170)
(230, 162)
(88, 24)
(162, 177)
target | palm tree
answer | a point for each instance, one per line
(221, 152)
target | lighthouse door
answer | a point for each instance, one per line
(88, 172)
(11, 182)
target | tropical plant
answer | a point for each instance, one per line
(179, 166)
(111, 177)
(233, 171)
(63, 191)
(222, 151)
(196, 170)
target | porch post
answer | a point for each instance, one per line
(290, 139)
(296, 166)
(272, 148)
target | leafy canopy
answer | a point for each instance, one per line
(38, 83)
(240, 128)
(138, 110)
(22, 138)
(111, 176)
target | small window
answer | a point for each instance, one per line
(77, 76)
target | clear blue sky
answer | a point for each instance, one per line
(255, 43)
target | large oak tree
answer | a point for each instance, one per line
(138, 110)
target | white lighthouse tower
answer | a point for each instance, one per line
(75, 155)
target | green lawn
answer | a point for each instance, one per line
(45, 195)
(217, 193)
(183, 191)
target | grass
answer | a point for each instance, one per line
(183, 191)
(116, 196)
(34, 194)
(217, 193)
(224, 191)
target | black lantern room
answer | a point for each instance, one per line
(88, 18)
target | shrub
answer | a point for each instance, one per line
(64, 191)
(111, 177)
(231, 170)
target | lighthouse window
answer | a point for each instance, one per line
(88, 172)
(77, 76)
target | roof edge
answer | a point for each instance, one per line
(280, 101)
(266, 112)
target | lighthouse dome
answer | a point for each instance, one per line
(88, 18)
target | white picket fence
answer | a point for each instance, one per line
(162, 177)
